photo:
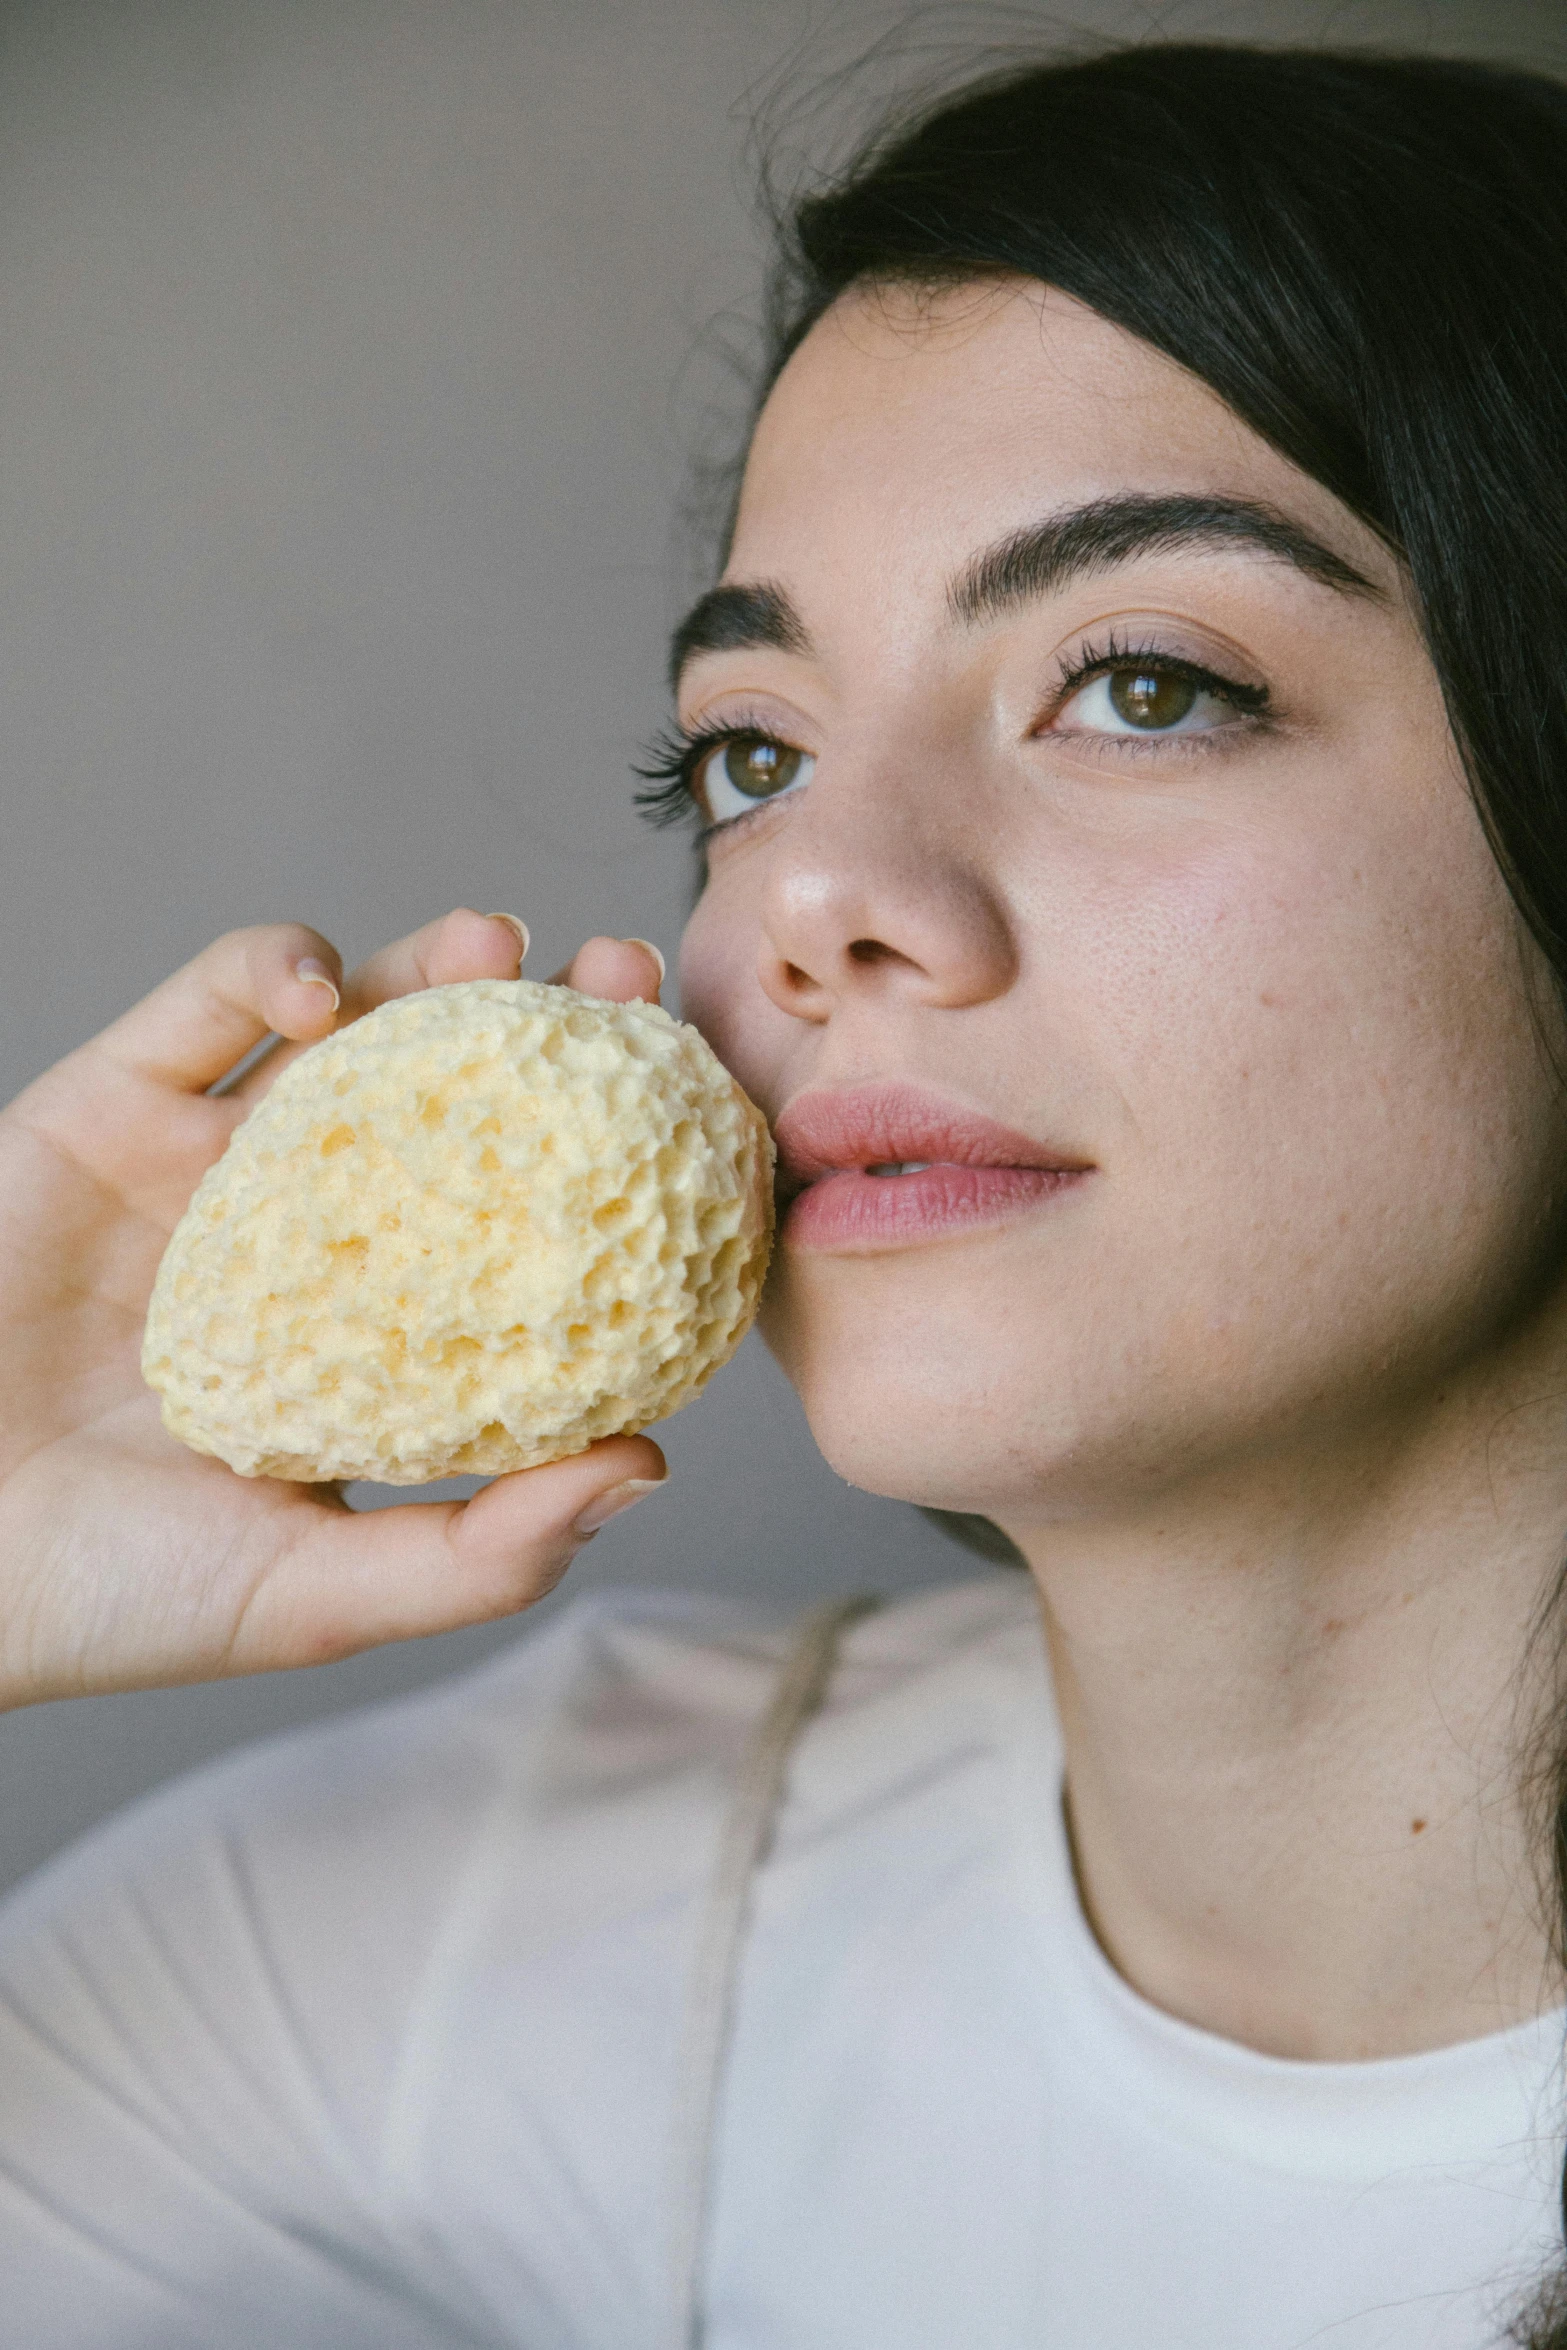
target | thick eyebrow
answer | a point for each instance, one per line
(1042, 557)
(735, 620)
(1034, 562)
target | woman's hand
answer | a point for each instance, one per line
(126, 1560)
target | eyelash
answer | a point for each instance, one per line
(667, 769)
(668, 766)
(1251, 700)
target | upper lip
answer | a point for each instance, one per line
(832, 1128)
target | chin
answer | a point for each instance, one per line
(961, 1380)
(927, 1392)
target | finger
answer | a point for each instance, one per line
(621, 970)
(462, 945)
(190, 1031)
(360, 1579)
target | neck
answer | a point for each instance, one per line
(1296, 1701)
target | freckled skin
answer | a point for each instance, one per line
(1274, 995)
(1273, 1400)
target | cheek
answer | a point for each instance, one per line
(1220, 1003)
(1329, 1154)
(1330, 1150)
(719, 990)
(1333, 1138)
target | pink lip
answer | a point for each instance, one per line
(972, 1171)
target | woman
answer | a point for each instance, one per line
(1129, 740)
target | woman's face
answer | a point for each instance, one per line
(1093, 862)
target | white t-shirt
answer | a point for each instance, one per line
(368, 2039)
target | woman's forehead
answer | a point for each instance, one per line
(920, 426)
(987, 375)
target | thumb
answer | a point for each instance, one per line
(358, 1579)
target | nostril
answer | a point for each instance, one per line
(869, 951)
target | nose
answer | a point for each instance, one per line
(872, 892)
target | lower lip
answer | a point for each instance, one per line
(853, 1210)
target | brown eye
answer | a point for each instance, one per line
(757, 767)
(1151, 698)
(748, 768)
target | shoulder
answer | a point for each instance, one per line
(626, 1696)
(578, 1782)
(414, 1959)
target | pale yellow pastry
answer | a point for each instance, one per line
(476, 1230)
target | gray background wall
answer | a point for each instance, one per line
(350, 373)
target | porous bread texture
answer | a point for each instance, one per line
(476, 1230)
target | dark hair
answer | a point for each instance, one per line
(1366, 258)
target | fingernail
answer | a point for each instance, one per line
(515, 922)
(609, 1504)
(652, 950)
(314, 973)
